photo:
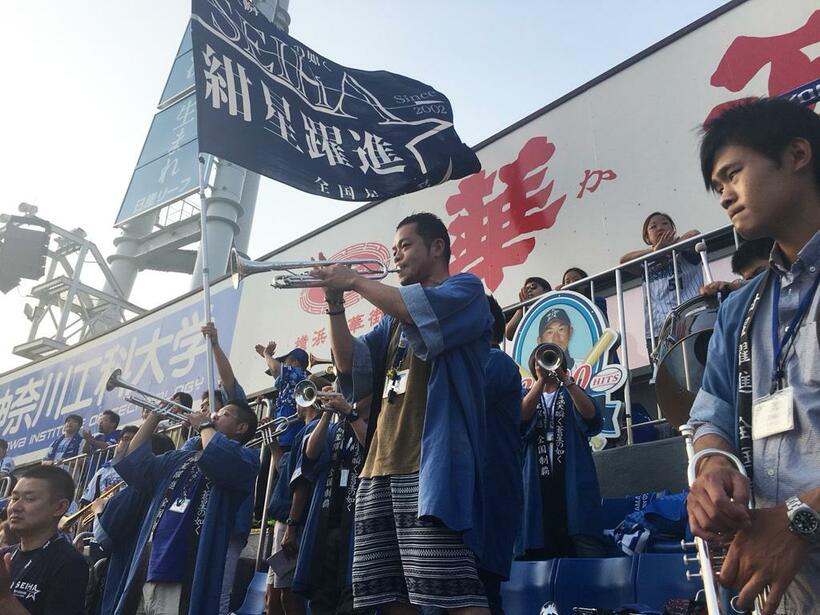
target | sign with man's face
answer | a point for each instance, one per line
(572, 322)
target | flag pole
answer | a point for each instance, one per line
(206, 283)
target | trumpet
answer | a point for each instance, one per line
(550, 357)
(370, 268)
(267, 433)
(305, 394)
(708, 562)
(164, 407)
(85, 515)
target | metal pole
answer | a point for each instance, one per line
(619, 293)
(206, 282)
(649, 307)
(675, 273)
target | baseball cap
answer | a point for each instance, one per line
(297, 353)
(552, 314)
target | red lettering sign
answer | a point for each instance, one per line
(789, 66)
(486, 230)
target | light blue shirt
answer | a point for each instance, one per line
(788, 463)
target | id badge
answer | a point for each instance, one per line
(399, 385)
(179, 505)
(344, 476)
(773, 414)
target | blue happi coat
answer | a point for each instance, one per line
(503, 488)
(315, 472)
(451, 329)
(582, 493)
(232, 470)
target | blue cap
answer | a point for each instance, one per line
(297, 353)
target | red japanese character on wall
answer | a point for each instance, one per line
(592, 179)
(491, 233)
(789, 66)
(312, 300)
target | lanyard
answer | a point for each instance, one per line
(778, 345)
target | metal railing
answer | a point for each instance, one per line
(635, 273)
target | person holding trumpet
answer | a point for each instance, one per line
(190, 505)
(562, 500)
(330, 461)
(423, 364)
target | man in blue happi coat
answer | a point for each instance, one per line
(189, 502)
(421, 481)
(329, 463)
(759, 396)
(562, 500)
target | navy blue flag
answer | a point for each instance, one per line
(272, 105)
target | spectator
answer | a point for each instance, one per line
(288, 506)
(108, 434)
(44, 574)
(533, 287)
(229, 388)
(750, 259)
(562, 501)
(572, 275)
(763, 160)
(659, 232)
(186, 526)
(287, 370)
(106, 477)
(68, 444)
(331, 457)
(502, 392)
(6, 462)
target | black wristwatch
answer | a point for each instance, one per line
(352, 416)
(291, 522)
(206, 425)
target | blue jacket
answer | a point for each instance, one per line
(231, 468)
(502, 488)
(582, 493)
(722, 357)
(451, 327)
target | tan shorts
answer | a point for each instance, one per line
(274, 580)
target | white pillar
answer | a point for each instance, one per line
(248, 205)
(223, 211)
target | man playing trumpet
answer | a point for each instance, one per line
(424, 366)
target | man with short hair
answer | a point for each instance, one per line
(6, 462)
(534, 286)
(106, 477)
(556, 328)
(68, 444)
(186, 527)
(108, 434)
(759, 397)
(750, 259)
(421, 481)
(44, 574)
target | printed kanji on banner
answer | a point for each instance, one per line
(269, 103)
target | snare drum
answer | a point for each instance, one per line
(680, 353)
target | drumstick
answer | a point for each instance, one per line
(604, 343)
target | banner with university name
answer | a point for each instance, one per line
(272, 105)
(161, 353)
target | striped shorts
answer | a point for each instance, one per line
(398, 557)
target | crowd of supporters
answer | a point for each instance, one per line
(421, 470)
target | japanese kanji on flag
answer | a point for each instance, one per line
(272, 105)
